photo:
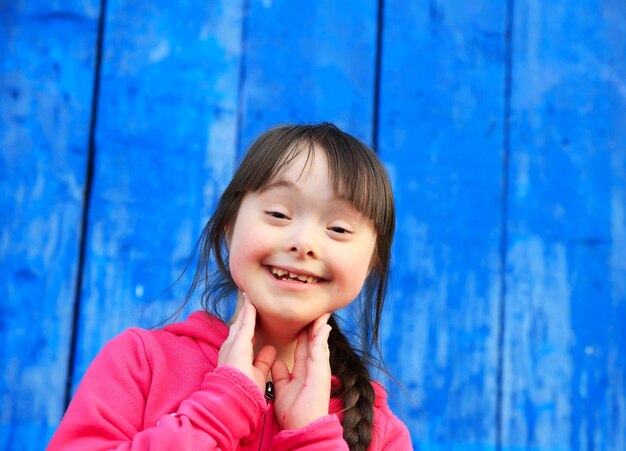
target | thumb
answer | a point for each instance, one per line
(265, 359)
(280, 374)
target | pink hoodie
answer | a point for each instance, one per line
(161, 390)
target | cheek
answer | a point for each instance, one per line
(236, 267)
(358, 278)
(354, 272)
(245, 254)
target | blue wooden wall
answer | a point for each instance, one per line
(503, 127)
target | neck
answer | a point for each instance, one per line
(277, 334)
(285, 344)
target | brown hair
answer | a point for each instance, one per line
(356, 175)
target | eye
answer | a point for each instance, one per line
(339, 230)
(277, 214)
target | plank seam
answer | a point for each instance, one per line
(380, 21)
(504, 211)
(86, 204)
(242, 77)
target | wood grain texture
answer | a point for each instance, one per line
(442, 97)
(165, 147)
(309, 64)
(566, 304)
(306, 65)
(45, 108)
(504, 322)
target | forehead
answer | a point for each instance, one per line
(300, 161)
(305, 163)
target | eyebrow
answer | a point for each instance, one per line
(279, 184)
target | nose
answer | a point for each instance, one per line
(304, 242)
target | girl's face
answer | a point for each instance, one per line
(298, 250)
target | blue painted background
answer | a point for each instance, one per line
(502, 125)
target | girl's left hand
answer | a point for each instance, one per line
(237, 350)
(303, 396)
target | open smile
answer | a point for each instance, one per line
(282, 274)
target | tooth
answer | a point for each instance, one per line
(277, 271)
(293, 276)
(280, 272)
(302, 278)
(309, 279)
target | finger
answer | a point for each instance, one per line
(265, 359)
(248, 322)
(280, 374)
(231, 339)
(319, 348)
(242, 341)
(236, 325)
(319, 322)
(318, 366)
(301, 355)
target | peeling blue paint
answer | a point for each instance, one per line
(45, 104)
(184, 88)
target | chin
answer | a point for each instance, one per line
(286, 318)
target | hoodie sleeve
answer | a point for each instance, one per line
(389, 433)
(324, 433)
(107, 411)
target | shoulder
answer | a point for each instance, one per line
(199, 326)
(136, 345)
(130, 351)
(194, 340)
(132, 343)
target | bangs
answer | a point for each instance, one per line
(358, 177)
(355, 173)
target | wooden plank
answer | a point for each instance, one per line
(441, 128)
(565, 360)
(165, 147)
(46, 83)
(308, 65)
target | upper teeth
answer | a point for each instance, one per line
(280, 272)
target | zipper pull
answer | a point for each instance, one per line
(269, 391)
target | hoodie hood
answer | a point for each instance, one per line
(201, 326)
(208, 328)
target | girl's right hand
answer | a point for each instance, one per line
(238, 349)
(303, 395)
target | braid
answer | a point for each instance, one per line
(356, 390)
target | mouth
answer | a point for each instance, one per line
(281, 274)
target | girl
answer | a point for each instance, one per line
(304, 226)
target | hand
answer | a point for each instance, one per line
(238, 349)
(303, 395)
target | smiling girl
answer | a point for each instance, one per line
(305, 225)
